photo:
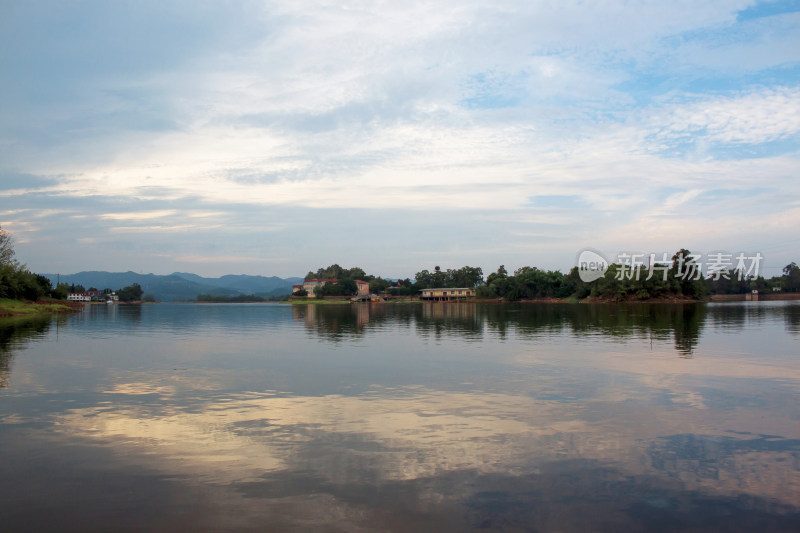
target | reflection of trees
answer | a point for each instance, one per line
(528, 320)
(14, 333)
(453, 318)
(792, 317)
(129, 313)
(342, 322)
(736, 316)
(680, 322)
(689, 321)
(728, 316)
(622, 321)
(98, 317)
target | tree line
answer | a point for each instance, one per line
(346, 278)
(680, 278)
(619, 282)
(17, 282)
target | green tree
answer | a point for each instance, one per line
(462, 277)
(378, 285)
(405, 287)
(792, 274)
(501, 273)
(332, 272)
(60, 292)
(465, 276)
(16, 281)
(131, 293)
(574, 285)
(6, 248)
(686, 272)
(356, 273)
(344, 287)
(423, 279)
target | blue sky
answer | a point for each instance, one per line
(276, 137)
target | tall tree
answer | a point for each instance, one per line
(131, 293)
(6, 248)
(792, 273)
(686, 271)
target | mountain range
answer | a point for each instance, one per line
(181, 285)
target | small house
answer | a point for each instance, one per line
(447, 294)
(362, 287)
(310, 285)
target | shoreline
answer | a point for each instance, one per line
(19, 308)
(668, 300)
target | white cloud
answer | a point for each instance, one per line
(754, 117)
(421, 107)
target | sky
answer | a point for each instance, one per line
(274, 138)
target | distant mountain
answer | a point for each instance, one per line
(181, 286)
(244, 283)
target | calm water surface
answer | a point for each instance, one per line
(417, 417)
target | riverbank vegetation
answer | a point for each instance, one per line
(22, 291)
(19, 283)
(345, 281)
(680, 279)
(12, 307)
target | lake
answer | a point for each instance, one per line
(403, 417)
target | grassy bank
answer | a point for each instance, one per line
(23, 308)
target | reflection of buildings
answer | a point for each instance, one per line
(305, 313)
(452, 319)
(447, 294)
(362, 314)
(334, 322)
(459, 311)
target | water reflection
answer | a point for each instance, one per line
(680, 322)
(15, 333)
(490, 455)
(334, 322)
(435, 417)
(792, 316)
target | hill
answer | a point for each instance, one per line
(181, 286)
(245, 284)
